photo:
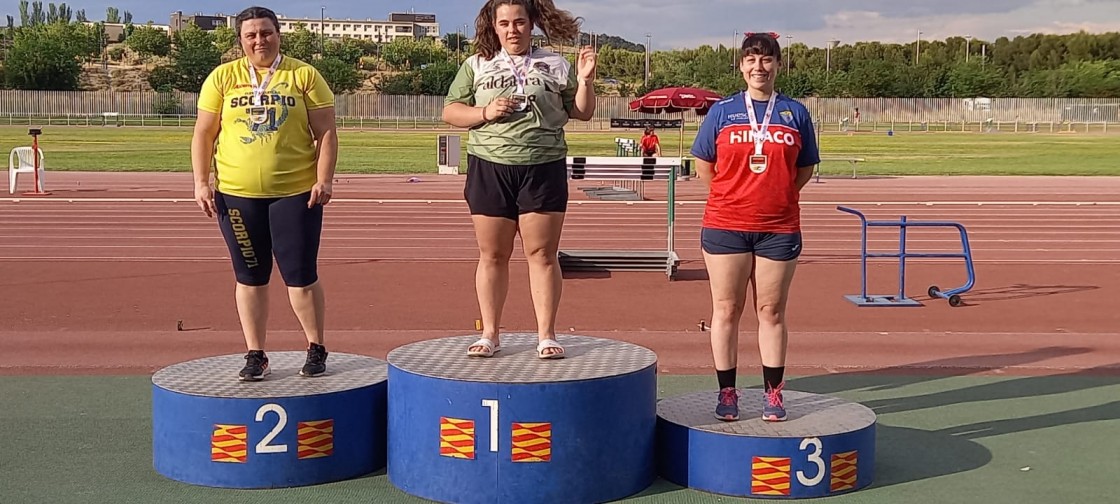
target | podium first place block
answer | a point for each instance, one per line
(210, 429)
(825, 447)
(517, 429)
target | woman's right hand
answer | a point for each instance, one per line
(204, 196)
(497, 109)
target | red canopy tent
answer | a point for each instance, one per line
(674, 100)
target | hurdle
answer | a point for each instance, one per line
(638, 170)
(626, 147)
(952, 295)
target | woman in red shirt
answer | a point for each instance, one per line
(754, 151)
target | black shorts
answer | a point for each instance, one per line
(257, 228)
(499, 190)
(773, 246)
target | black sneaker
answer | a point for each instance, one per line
(256, 366)
(316, 363)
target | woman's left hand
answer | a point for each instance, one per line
(585, 65)
(320, 194)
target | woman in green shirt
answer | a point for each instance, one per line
(515, 100)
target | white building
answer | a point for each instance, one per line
(399, 25)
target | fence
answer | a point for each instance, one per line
(407, 112)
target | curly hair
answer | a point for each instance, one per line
(555, 23)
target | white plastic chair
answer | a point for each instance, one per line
(21, 160)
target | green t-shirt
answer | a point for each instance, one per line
(531, 137)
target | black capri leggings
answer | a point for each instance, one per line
(257, 228)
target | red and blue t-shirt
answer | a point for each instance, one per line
(739, 198)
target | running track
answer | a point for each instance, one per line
(98, 275)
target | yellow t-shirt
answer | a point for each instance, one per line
(265, 149)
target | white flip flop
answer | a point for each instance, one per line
(546, 344)
(488, 348)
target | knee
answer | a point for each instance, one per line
(771, 313)
(542, 256)
(727, 309)
(495, 257)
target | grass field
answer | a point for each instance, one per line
(168, 149)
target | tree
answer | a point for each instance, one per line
(340, 76)
(456, 42)
(112, 15)
(44, 57)
(224, 38)
(149, 41)
(300, 44)
(194, 56)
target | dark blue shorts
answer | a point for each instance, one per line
(255, 229)
(773, 246)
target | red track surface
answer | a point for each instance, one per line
(97, 275)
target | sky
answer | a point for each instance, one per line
(679, 24)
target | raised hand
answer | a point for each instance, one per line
(585, 64)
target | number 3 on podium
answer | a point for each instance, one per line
(815, 458)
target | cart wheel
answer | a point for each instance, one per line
(954, 300)
(933, 290)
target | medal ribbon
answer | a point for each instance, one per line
(258, 90)
(760, 133)
(520, 75)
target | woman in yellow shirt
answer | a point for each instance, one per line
(266, 123)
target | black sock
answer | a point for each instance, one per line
(772, 376)
(726, 378)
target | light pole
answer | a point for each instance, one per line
(789, 51)
(967, 46)
(828, 55)
(918, 48)
(322, 29)
(734, 47)
(649, 38)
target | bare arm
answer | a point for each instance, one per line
(206, 129)
(462, 115)
(705, 170)
(584, 106)
(804, 174)
(325, 129)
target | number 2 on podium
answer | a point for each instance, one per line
(281, 421)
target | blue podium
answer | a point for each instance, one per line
(210, 429)
(825, 447)
(517, 429)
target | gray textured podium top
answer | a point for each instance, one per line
(807, 415)
(217, 376)
(586, 358)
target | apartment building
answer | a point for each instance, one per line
(399, 25)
